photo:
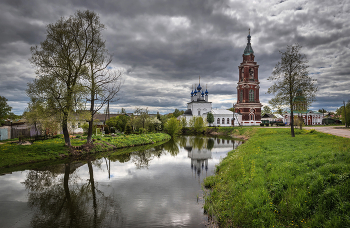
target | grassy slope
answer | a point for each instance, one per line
(12, 154)
(274, 180)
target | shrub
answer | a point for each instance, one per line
(142, 130)
(261, 124)
(128, 129)
(173, 126)
(198, 124)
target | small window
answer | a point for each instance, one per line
(228, 120)
(218, 121)
(241, 96)
(223, 120)
(199, 113)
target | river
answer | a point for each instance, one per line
(151, 186)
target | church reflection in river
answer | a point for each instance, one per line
(200, 151)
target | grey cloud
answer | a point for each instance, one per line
(165, 45)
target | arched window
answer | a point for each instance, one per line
(218, 121)
(228, 120)
(241, 96)
(242, 76)
(223, 121)
(251, 95)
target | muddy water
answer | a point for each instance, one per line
(156, 186)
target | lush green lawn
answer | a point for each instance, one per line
(274, 180)
(12, 154)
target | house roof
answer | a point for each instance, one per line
(267, 115)
(221, 111)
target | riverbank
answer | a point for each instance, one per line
(13, 154)
(274, 180)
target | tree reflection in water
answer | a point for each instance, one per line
(63, 202)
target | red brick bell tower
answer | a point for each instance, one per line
(248, 103)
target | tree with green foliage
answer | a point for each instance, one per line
(178, 113)
(183, 122)
(344, 113)
(141, 117)
(35, 114)
(210, 118)
(158, 116)
(291, 76)
(322, 110)
(118, 122)
(155, 124)
(62, 60)
(266, 110)
(198, 124)
(5, 109)
(128, 129)
(173, 127)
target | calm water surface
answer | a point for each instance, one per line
(156, 186)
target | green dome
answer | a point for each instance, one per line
(248, 49)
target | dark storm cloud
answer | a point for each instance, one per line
(164, 46)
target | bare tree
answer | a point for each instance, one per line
(101, 83)
(291, 76)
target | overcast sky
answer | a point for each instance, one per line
(163, 46)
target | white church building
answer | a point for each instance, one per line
(199, 105)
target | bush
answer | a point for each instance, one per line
(261, 124)
(280, 124)
(173, 126)
(197, 124)
(142, 130)
(128, 129)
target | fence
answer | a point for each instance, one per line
(16, 133)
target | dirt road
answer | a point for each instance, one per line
(338, 131)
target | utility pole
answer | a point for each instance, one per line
(346, 123)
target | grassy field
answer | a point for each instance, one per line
(274, 180)
(12, 154)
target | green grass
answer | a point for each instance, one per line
(274, 180)
(12, 154)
